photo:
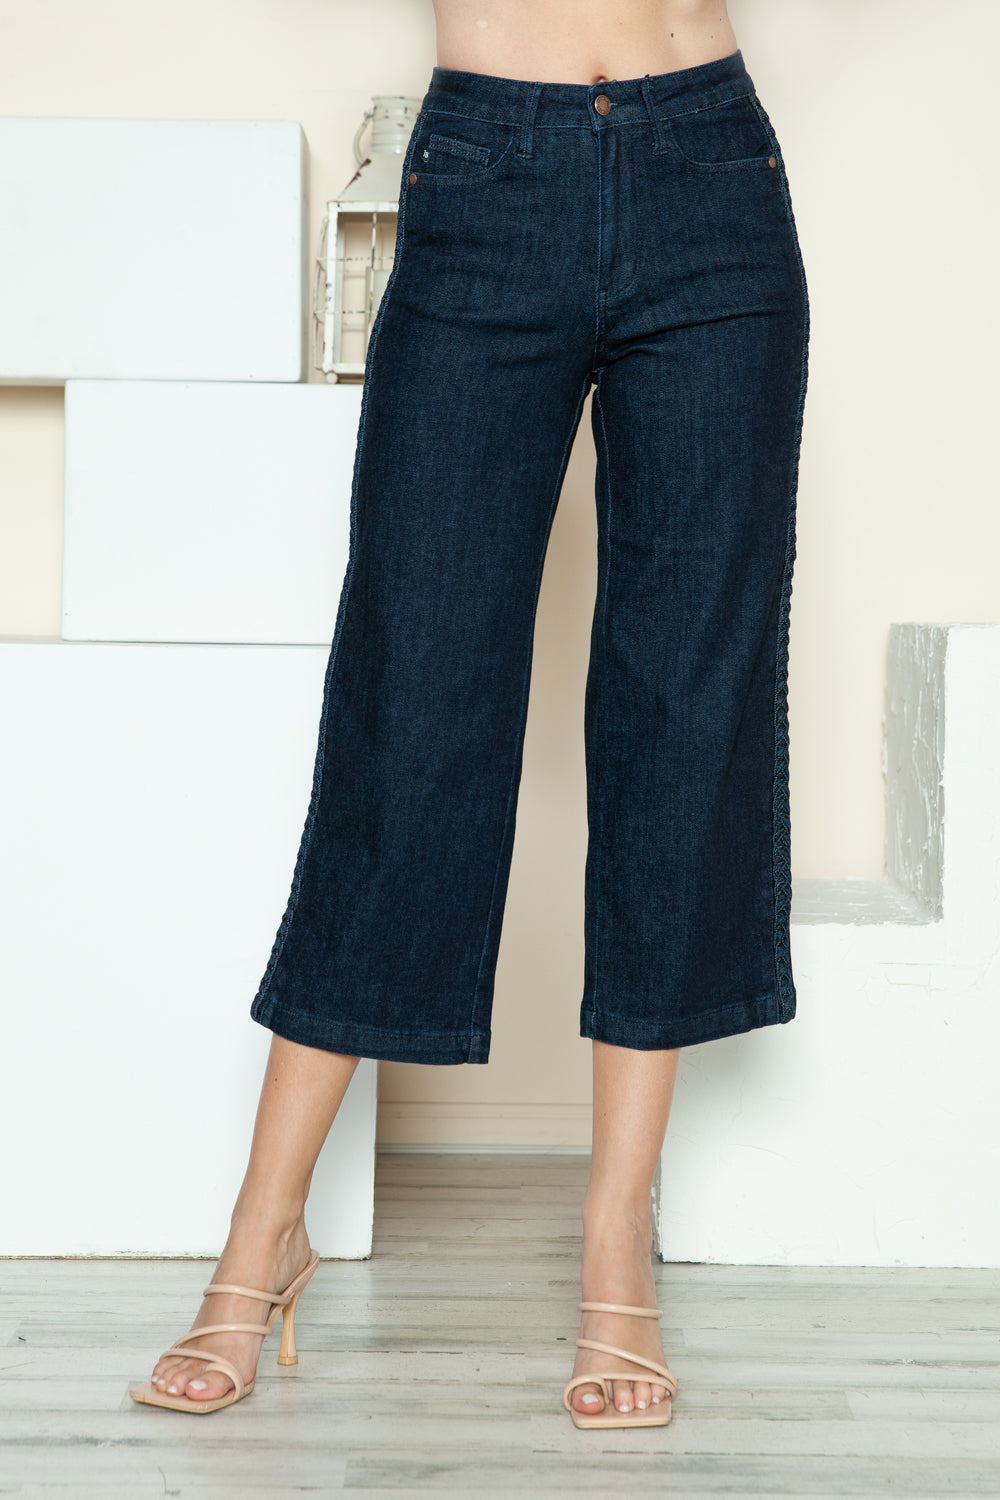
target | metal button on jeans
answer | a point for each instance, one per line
(602, 104)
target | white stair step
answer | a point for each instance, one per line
(202, 511)
(151, 803)
(152, 249)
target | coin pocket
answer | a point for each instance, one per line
(729, 134)
(466, 148)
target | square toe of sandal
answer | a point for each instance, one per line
(151, 1396)
(653, 1416)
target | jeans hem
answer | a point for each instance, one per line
(434, 1047)
(649, 1036)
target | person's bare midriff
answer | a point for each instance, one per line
(580, 41)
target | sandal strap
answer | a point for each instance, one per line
(620, 1307)
(216, 1362)
(196, 1333)
(281, 1298)
(637, 1359)
(248, 1291)
(593, 1379)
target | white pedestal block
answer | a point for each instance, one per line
(867, 1130)
(152, 249)
(152, 802)
(206, 511)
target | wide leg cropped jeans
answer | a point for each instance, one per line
(636, 238)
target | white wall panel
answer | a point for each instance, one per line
(151, 803)
(171, 249)
(200, 511)
(867, 1130)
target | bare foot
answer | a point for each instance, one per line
(617, 1268)
(254, 1255)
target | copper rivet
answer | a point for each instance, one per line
(413, 176)
(772, 161)
(602, 104)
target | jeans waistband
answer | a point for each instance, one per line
(566, 106)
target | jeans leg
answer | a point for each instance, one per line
(697, 433)
(388, 946)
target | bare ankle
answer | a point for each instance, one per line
(262, 1219)
(607, 1214)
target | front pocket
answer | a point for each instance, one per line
(730, 134)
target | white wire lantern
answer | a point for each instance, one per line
(358, 238)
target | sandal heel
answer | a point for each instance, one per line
(288, 1354)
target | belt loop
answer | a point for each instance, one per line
(524, 131)
(659, 141)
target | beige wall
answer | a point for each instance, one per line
(885, 112)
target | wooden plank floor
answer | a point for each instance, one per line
(436, 1367)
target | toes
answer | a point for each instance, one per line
(207, 1387)
(641, 1394)
(622, 1393)
(163, 1371)
(189, 1378)
(659, 1393)
(589, 1399)
(177, 1375)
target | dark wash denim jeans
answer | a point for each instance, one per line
(636, 237)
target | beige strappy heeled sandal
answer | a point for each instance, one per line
(284, 1302)
(657, 1415)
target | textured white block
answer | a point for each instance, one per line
(170, 249)
(151, 803)
(867, 1130)
(206, 511)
